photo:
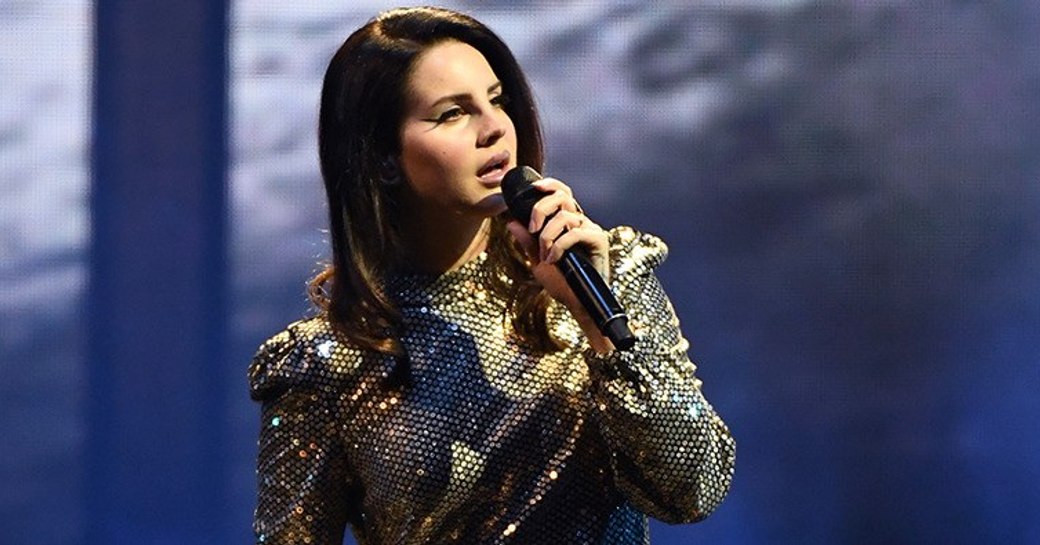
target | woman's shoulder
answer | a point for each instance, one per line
(307, 354)
(632, 249)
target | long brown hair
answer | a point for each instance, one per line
(362, 103)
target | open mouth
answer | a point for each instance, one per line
(496, 168)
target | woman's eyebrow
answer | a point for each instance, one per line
(465, 96)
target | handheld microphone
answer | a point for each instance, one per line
(593, 293)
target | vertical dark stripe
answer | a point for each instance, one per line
(157, 301)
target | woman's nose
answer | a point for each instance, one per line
(493, 127)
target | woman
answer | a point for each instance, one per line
(452, 389)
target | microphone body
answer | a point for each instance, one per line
(592, 292)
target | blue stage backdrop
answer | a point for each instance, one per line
(45, 89)
(850, 190)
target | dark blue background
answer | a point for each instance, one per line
(851, 192)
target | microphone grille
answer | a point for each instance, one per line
(518, 192)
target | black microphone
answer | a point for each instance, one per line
(581, 276)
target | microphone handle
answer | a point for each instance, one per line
(596, 297)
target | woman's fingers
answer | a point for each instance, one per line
(555, 216)
(552, 184)
(562, 222)
(557, 197)
(583, 233)
(558, 224)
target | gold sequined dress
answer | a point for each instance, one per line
(492, 442)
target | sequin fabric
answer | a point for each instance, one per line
(492, 442)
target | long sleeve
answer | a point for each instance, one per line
(302, 479)
(672, 456)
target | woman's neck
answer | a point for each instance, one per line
(445, 244)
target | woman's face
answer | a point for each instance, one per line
(456, 140)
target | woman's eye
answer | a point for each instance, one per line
(500, 100)
(448, 115)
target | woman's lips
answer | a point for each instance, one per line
(495, 169)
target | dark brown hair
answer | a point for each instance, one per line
(362, 103)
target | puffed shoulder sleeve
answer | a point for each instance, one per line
(302, 475)
(673, 456)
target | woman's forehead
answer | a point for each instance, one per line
(448, 69)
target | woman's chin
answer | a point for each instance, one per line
(492, 205)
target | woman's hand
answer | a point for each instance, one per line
(558, 224)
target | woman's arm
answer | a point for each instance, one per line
(672, 455)
(302, 478)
